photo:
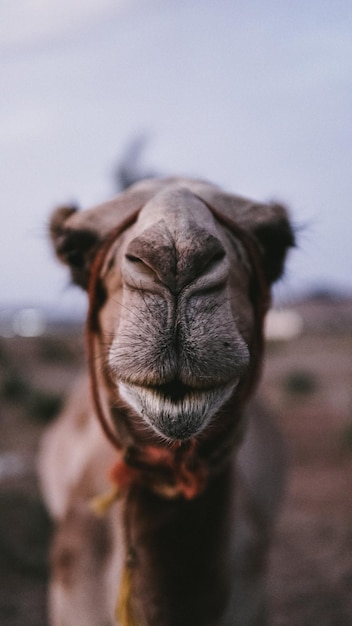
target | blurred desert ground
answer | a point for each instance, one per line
(307, 380)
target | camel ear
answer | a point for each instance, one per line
(270, 226)
(74, 247)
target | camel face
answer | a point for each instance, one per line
(177, 319)
(178, 275)
(177, 315)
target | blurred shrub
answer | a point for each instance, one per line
(25, 532)
(15, 388)
(300, 382)
(43, 406)
(39, 404)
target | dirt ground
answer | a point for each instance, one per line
(307, 381)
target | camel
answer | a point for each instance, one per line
(178, 275)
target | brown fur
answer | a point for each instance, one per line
(176, 305)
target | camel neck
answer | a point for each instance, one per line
(179, 554)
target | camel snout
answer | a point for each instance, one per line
(159, 257)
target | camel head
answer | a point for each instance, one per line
(174, 294)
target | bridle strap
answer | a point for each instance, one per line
(92, 325)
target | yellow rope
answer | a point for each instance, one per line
(101, 504)
(125, 614)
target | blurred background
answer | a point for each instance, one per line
(253, 95)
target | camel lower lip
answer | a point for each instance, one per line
(176, 415)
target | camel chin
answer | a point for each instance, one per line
(172, 417)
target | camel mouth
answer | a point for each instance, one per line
(175, 390)
(174, 410)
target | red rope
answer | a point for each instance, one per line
(160, 470)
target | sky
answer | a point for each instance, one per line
(254, 95)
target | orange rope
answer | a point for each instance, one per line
(159, 470)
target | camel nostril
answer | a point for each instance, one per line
(133, 259)
(136, 261)
(140, 269)
(216, 258)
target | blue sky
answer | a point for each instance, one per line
(254, 95)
